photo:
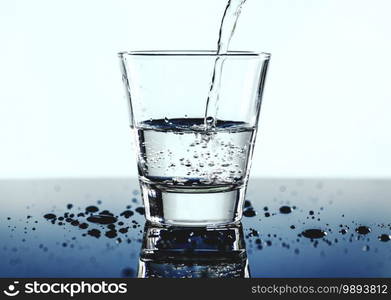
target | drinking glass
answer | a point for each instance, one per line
(192, 173)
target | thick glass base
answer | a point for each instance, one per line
(178, 252)
(207, 207)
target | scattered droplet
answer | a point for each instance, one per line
(83, 226)
(285, 210)
(249, 212)
(363, 230)
(127, 213)
(343, 231)
(384, 237)
(102, 219)
(140, 210)
(91, 209)
(247, 203)
(111, 234)
(314, 233)
(49, 216)
(123, 230)
(94, 233)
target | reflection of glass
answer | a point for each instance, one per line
(193, 171)
(193, 252)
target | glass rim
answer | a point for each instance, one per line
(194, 53)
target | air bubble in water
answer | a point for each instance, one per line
(210, 121)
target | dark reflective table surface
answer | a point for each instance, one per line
(291, 228)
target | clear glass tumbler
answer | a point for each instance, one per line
(192, 174)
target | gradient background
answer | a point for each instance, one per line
(326, 110)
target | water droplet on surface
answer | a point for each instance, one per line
(140, 210)
(127, 213)
(111, 234)
(285, 210)
(123, 230)
(247, 203)
(363, 230)
(91, 209)
(94, 233)
(343, 231)
(102, 219)
(249, 212)
(83, 226)
(314, 233)
(384, 237)
(75, 223)
(49, 216)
